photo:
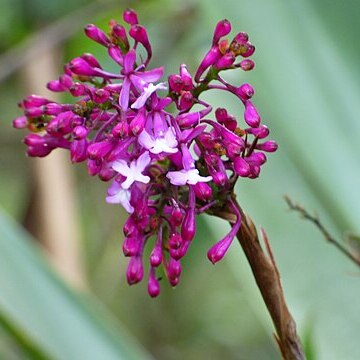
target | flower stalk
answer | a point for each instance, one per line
(267, 277)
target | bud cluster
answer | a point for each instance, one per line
(165, 167)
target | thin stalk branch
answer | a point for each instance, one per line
(267, 278)
(316, 221)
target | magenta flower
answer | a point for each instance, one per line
(165, 167)
(142, 80)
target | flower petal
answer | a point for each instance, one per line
(152, 75)
(125, 94)
(122, 196)
(129, 180)
(146, 140)
(177, 177)
(142, 162)
(129, 61)
(148, 90)
(121, 167)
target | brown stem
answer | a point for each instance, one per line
(316, 221)
(267, 278)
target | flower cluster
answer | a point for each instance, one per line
(165, 167)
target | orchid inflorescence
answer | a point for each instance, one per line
(165, 167)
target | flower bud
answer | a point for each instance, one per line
(221, 115)
(100, 96)
(188, 228)
(99, 149)
(121, 130)
(173, 269)
(177, 254)
(80, 132)
(130, 17)
(118, 32)
(37, 145)
(256, 159)
(156, 256)
(135, 270)
(245, 92)
(175, 241)
(78, 89)
(106, 174)
(176, 216)
(247, 50)
(189, 119)
(186, 101)
(261, 132)
(203, 191)
(34, 112)
(223, 27)
(174, 281)
(54, 108)
(218, 251)
(153, 284)
(247, 65)
(210, 58)
(255, 171)
(56, 86)
(61, 125)
(78, 150)
(231, 124)
(268, 146)
(219, 178)
(91, 60)
(251, 115)
(116, 54)
(241, 167)
(81, 67)
(225, 62)
(34, 101)
(176, 83)
(66, 81)
(20, 122)
(131, 246)
(139, 34)
(137, 124)
(94, 33)
(93, 166)
(241, 37)
(186, 78)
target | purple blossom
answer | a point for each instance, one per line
(165, 142)
(119, 195)
(165, 167)
(142, 80)
(134, 171)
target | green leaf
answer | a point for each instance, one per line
(27, 347)
(38, 306)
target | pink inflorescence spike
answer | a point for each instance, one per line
(164, 167)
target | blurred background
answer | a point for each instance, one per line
(63, 294)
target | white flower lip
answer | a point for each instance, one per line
(183, 177)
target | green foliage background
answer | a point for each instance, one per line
(307, 90)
